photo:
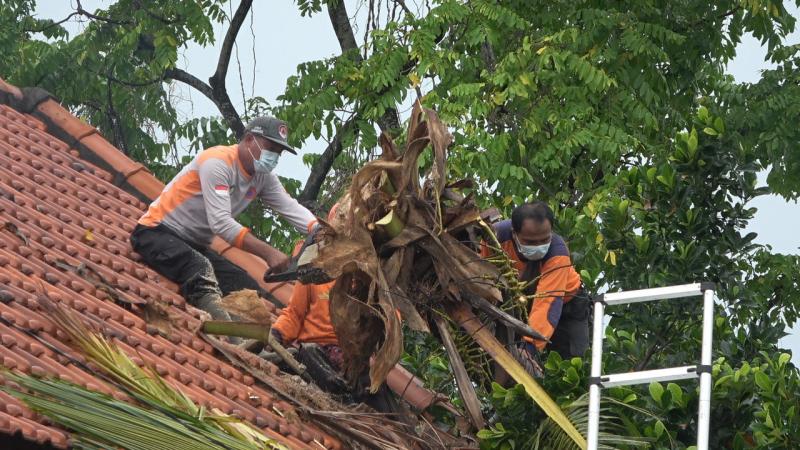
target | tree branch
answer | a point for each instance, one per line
(47, 27)
(113, 118)
(340, 20)
(217, 81)
(230, 39)
(187, 78)
(342, 28)
(320, 169)
(403, 5)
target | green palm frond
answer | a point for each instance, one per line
(164, 414)
(98, 421)
(550, 436)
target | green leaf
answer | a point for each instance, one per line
(692, 142)
(702, 114)
(659, 429)
(656, 391)
(719, 125)
(763, 381)
(676, 393)
(710, 131)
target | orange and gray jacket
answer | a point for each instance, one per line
(203, 199)
(554, 279)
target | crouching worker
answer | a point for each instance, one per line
(306, 323)
(174, 235)
(560, 308)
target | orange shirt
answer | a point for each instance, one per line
(556, 282)
(307, 318)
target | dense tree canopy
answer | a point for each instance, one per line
(619, 114)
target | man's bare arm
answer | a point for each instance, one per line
(277, 261)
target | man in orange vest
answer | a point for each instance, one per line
(202, 202)
(560, 308)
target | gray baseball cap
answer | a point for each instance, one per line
(271, 128)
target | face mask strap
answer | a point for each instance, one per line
(260, 150)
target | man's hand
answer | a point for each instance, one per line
(277, 263)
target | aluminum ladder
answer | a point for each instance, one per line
(703, 370)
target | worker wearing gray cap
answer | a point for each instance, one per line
(202, 201)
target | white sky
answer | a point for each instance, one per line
(282, 39)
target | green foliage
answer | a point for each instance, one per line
(521, 426)
(618, 114)
(112, 73)
(425, 357)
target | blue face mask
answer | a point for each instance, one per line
(267, 162)
(532, 252)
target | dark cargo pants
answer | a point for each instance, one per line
(199, 271)
(571, 336)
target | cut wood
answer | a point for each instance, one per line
(465, 388)
(493, 311)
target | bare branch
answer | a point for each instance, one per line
(47, 27)
(340, 21)
(342, 28)
(230, 39)
(323, 165)
(405, 7)
(185, 77)
(223, 104)
(219, 92)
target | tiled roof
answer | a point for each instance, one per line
(68, 201)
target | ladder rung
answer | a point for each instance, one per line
(647, 376)
(646, 295)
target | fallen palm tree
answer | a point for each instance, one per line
(401, 250)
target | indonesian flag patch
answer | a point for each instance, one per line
(221, 189)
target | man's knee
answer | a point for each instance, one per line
(201, 280)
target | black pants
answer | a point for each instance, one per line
(199, 271)
(571, 336)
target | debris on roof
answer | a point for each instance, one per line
(68, 201)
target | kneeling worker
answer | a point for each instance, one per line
(174, 235)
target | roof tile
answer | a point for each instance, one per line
(71, 240)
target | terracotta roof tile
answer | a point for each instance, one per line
(65, 227)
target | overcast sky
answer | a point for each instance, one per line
(277, 39)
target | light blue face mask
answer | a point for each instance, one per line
(267, 162)
(532, 252)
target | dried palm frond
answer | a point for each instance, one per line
(398, 245)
